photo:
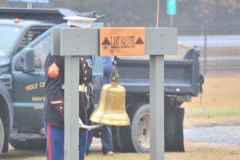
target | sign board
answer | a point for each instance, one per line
(122, 41)
(171, 7)
(30, 1)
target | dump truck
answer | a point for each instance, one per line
(16, 32)
(22, 96)
(181, 83)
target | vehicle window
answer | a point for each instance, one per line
(28, 38)
(41, 51)
(10, 34)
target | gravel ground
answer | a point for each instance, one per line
(214, 134)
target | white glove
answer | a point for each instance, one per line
(81, 125)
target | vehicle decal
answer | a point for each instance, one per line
(34, 86)
(38, 107)
(31, 87)
(39, 99)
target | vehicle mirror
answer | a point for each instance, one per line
(28, 60)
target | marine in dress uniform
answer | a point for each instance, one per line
(54, 105)
(53, 116)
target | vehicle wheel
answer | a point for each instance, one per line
(136, 137)
(36, 144)
(1, 136)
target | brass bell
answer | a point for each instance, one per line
(111, 106)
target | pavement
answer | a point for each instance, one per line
(214, 134)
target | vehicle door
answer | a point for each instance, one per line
(29, 93)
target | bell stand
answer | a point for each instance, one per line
(74, 42)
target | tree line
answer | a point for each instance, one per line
(144, 12)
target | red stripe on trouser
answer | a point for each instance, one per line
(49, 142)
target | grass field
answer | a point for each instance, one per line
(218, 105)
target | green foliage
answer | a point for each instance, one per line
(211, 112)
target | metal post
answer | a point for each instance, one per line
(205, 45)
(71, 110)
(158, 6)
(157, 107)
(171, 20)
(29, 5)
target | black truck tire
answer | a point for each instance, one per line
(1, 136)
(36, 144)
(136, 136)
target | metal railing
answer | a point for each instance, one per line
(219, 44)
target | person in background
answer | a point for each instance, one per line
(106, 130)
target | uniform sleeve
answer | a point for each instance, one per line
(54, 75)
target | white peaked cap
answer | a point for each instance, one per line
(81, 22)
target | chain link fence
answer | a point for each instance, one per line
(219, 44)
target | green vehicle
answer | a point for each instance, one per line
(22, 88)
(16, 89)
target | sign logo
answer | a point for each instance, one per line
(122, 41)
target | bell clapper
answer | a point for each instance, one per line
(115, 75)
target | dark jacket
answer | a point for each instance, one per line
(54, 80)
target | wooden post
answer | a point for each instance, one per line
(155, 42)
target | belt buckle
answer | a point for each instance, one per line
(82, 88)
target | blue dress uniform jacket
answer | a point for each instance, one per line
(54, 80)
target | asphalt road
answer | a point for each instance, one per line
(213, 40)
(214, 134)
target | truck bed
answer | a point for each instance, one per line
(180, 75)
